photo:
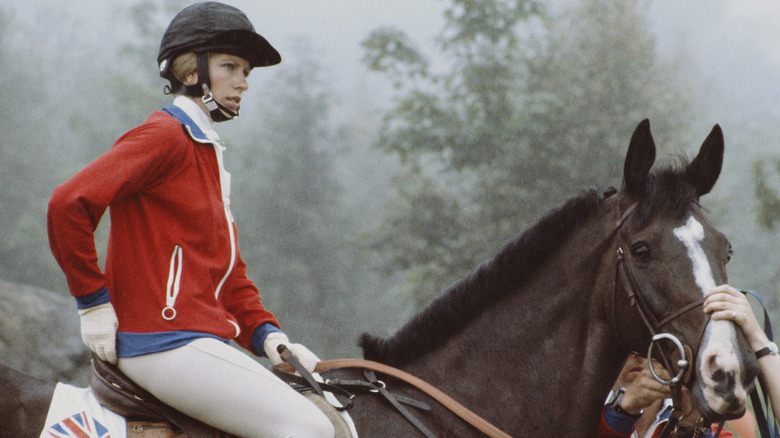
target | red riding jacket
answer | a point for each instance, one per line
(172, 268)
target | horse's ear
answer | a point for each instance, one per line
(705, 168)
(640, 158)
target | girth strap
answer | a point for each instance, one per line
(302, 384)
(362, 384)
(390, 398)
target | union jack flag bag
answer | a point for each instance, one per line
(80, 425)
(76, 413)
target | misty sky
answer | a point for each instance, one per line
(733, 45)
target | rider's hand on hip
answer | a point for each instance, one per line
(98, 330)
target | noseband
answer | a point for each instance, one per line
(655, 325)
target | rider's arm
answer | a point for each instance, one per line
(770, 372)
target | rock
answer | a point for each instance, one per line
(39, 334)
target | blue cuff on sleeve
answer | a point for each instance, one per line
(258, 337)
(101, 296)
(620, 423)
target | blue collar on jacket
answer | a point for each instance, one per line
(195, 132)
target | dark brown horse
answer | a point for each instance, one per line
(24, 402)
(533, 339)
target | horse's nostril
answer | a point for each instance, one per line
(725, 381)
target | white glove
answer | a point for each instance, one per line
(308, 359)
(98, 330)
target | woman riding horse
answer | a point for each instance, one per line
(175, 292)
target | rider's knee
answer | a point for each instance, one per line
(314, 424)
(311, 424)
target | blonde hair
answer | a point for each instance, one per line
(184, 65)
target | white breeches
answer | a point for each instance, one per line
(225, 388)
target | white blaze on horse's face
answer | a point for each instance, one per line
(718, 354)
(690, 235)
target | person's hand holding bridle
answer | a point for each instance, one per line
(645, 389)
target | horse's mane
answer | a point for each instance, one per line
(487, 284)
(493, 279)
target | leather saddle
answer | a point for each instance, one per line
(118, 393)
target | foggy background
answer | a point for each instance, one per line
(350, 218)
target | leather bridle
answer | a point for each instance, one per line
(655, 326)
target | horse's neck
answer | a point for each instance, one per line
(24, 402)
(546, 347)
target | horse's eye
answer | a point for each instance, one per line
(640, 251)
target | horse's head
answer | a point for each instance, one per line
(671, 256)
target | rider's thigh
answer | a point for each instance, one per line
(209, 380)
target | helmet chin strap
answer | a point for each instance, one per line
(217, 111)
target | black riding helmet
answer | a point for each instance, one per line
(211, 27)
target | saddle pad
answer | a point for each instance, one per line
(75, 413)
(345, 427)
(346, 419)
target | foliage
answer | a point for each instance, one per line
(768, 209)
(527, 110)
(29, 150)
(128, 89)
(297, 237)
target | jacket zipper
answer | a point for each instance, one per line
(174, 283)
(229, 217)
(224, 185)
(174, 277)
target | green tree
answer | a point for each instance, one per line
(28, 151)
(128, 87)
(295, 233)
(765, 172)
(52, 128)
(531, 106)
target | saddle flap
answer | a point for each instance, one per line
(118, 393)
